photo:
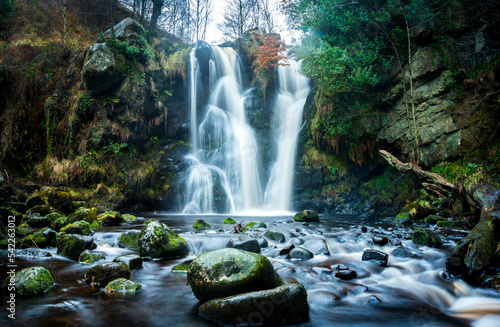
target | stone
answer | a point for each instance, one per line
(275, 236)
(433, 219)
(37, 221)
(78, 227)
(225, 272)
(101, 71)
(32, 281)
(263, 243)
(287, 249)
(41, 238)
(122, 285)
(427, 238)
(307, 216)
(88, 256)
(35, 200)
(132, 260)
(62, 201)
(82, 213)
(183, 266)
(201, 224)
(110, 218)
(402, 252)
(379, 257)
(317, 246)
(346, 274)
(129, 240)
(251, 245)
(380, 240)
(229, 221)
(42, 210)
(256, 224)
(281, 306)
(105, 272)
(71, 245)
(300, 253)
(127, 29)
(129, 218)
(157, 240)
(34, 253)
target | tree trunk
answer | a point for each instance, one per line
(157, 5)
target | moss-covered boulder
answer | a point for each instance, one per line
(31, 281)
(54, 216)
(88, 257)
(157, 240)
(24, 231)
(87, 214)
(72, 245)
(226, 272)
(229, 221)
(256, 224)
(275, 236)
(35, 200)
(41, 238)
(281, 306)
(106, 272)
(433, 219)
(201, 224)
(129, 240)
(122, 285)
(300, 253)
(309, 216)
(78, 227)
(110, 218)
(414, 211)
(42, 210)
(182, 267)
(62, 201)
(129, 218)
(132, 260)
(427, 238)
(37, 221)
(60, 223)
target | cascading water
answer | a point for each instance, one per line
(224, 171)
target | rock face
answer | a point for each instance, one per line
(106, 272)
(157, 240)
(101, 71)
(281, 306)
(32, 281)
(226, 272)
(71, 245)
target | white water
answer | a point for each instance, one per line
(224, 174)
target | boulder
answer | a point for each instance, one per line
(380, 240)
(129, 218)
(106, 272)
(317, 246)
(183, 266)
(110, 218)
(379, 257)
(41, 238)
(201, 224)
(300, 253)
(281, 306)
(287, 249)
(402, 252)
(309, 216)
(88, 256)
(256, 224)
(37, 221)
(129, 240)
(82, 213)
(275, 236)
(42, 210)
(229, 221)
(247, 244)
(78, 227)
(157, 240)
(127, 29)
(34, 253)
(35, 200)
(346, 274)
(101, 71)
(62, 201)
(31, 281)
(226, 272)
(72, 245)
(122, 285)
(132, 260)
(427, 238)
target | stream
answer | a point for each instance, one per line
(408, 292)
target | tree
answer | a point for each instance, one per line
(268, 14)
(238, 18)
(6, 9)
(201, 11)
(157, 6)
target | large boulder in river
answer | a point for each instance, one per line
(132, 260)
(82, 213)
(157, 240)
(281, 306)
(427, 238)
(379, 257)
(31, 281)
(105, 272)
(101, 70)
(226, 272)
(110, 218)
(72, 245)
(309, 216)
(80, 227)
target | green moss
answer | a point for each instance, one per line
(183, 266)
(88, 257)
(129, 218)
(129, 240)
(78, 227)
(157, 240)
(426, 238)
(275, 236)
(433, 219)
(106, 272)
(59, 223)
(110, 218)
(87, 214)
(254, 224)
(32, 281)
(201, 224)
(444, 223)
(122, 285)
(229, 221)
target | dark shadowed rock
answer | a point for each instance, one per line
(346, 274)
(376, 256)
(427, 238)
(105, 272)
(132, 260)
(287, 249)
(251, 245)
(71, 245)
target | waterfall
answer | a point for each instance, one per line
(224, 175)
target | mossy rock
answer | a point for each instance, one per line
(201, 224)
(87, 214)
(275, 236)
(54, 216)
(62, 201)
(110, 218)
(41, 238)
(256, 224)
(433, 219)
(404, 219)
(129, 218)
(281, 306)
(300, 253)
(309, 216)
(60, 223)
(32, 281)
(427, 238)
(106, 272)
(88, 257)
(42, 210)
(37, 221)
(24, 231)
(71, 245)
(122, 285)
(183, 266)
(444, 223)
(35, 200)
(229, 221)
(129, 240)
(78, 227)
(157, 240)
(225, 272)
(132, 260)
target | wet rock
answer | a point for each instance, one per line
(287, 249)
(263, 243)
(78, 227)
(201, 224)
(427, 238)
(373, 300)
(346, 274)
(379, 257)
(307, 216)
(364, 229)
(101, 71)
(492, 282)
(380, 240)
(42, 210)
(340, 266)
(129, 218)
(317, 246)
(132, 260)
(34, 253)
(31, 281)
(62, 201)
(300, 253)
(395, 241)
(37, 221)
(251, 245)
(54, 216)
(226, 272)
(229, 221)
(88, 256)
(275, 236)
(87, 214)
(35, 200)
(157, 240)
(110, 218)
(71, 245)
(256, 224)
(122, 285)
(22, 231)
(433, 219)
(280, 306)
(106, 272)
(41, 238)
(129, 240)
(183, 266)
(402, 252)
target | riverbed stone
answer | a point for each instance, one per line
(72, 245)
(380, 240)
(34, 253)
(300, 253)
(37, 221)
(427, 238)
(229, 221)
(256, 224)
(82, 213)
(346, 274)
(201, 224)
(89, 256)
(376, 256)
(157, 240)
(275, 236)
(225, 272)
(129, 217)
(132, 260)
(80, 227)
(317, 246)
(122, 285)
(43, 237)
(287, 249)
(247, 244)
(35, 200)
(309, 216)
(402, 252)
(106, 272)
(110, 218)
(281, 306)
(129, 240)
(32, 281)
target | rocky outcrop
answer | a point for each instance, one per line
(101, 71)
